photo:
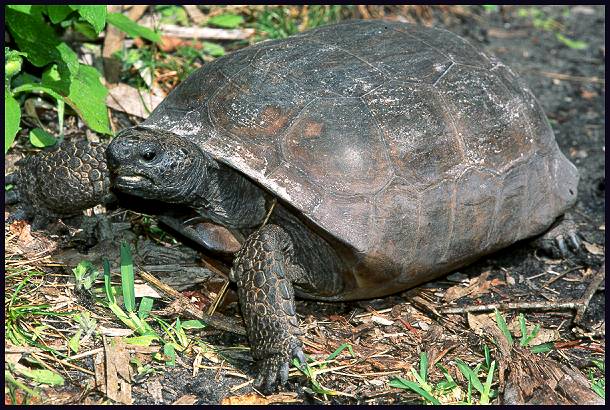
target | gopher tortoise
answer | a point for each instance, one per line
(348, 162)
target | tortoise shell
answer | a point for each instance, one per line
(404, 143)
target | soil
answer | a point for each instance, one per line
(569, 83)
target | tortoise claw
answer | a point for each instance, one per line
(561, 244)
(298, 353)
(561, 239)
(11, 197)
(284, 373)
(575, 242)
(10, 178)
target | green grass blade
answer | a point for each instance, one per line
(503, 327)
(470, 375)
(339, 350)
(488, 382)
(127, 278)
(543, 348)
(107, 286)
(487, 356)
(523, 327)
(423, 366)
(401, 383)
(146, 305)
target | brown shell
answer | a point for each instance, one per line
(406, 143)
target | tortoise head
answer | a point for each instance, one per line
(157, 164)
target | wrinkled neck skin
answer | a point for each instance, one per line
(228, 198)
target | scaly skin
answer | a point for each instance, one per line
(266, 297)
(59, 182)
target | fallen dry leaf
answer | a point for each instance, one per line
(188, 399)
(132, 101)
(588, 95)
(260, 400)
(118, 371)
(543, 336)
(477, 286)
(593, 248)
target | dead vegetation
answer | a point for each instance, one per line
(63, 347)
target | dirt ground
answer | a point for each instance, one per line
(387, 335)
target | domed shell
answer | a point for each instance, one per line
(405, 143)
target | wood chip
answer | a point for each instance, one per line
(381, 320)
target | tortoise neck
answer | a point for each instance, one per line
(231, 199)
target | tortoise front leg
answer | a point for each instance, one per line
(264, 275)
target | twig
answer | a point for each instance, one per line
(60, 361)
(219, 297)
(85, 354)
(217, 321)
(567, 77)
(195, 14)
(591, 289)
(514, 306)
(269, 212)
(561, 275)
(208, 33)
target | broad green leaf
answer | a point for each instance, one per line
(27, 9)
(94, 15)
(213, 49)
(12, 117)
(42, 376)
(127, 278)
(85, 94)
(85, 29)
(132, 28)
(226, 20)
(39, 41)
(41, 139)
(52, 78)
(12, 62)
(58, 13)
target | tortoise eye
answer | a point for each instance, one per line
(148, 155)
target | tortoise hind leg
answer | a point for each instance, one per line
(264, 275)
(563, 234)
